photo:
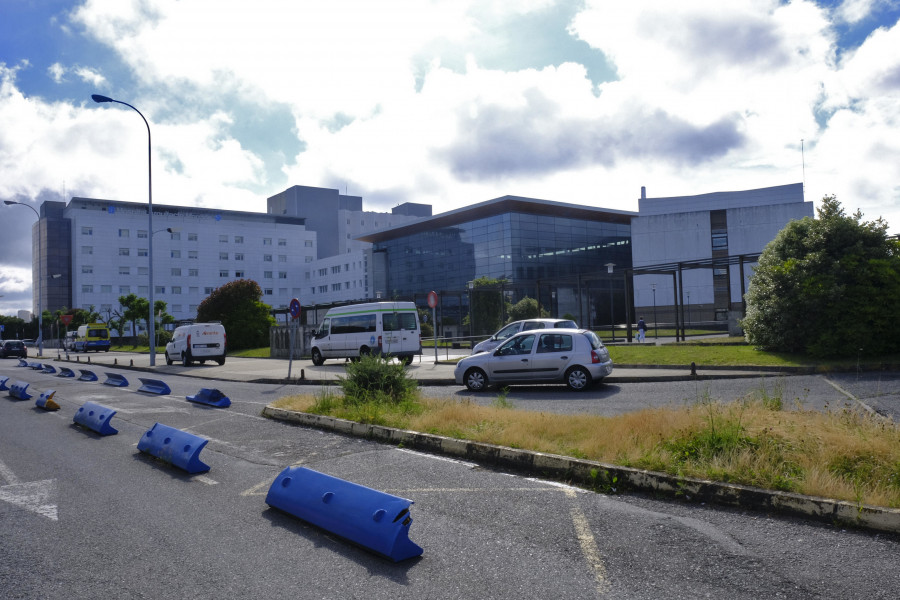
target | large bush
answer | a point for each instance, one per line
(238, 307)
(827, 287)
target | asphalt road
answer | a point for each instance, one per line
(84, 516)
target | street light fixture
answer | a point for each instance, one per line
(151, 322)
(40, 277)
(609, 269)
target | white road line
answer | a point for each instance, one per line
(7, 474)
(435, 457)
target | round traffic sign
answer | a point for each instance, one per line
(432, 299)
(295, 308)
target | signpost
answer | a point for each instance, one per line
(432, 302)
(292, 325)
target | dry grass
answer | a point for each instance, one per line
(841, 455)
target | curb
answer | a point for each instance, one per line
(611, 478)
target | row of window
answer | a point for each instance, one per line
(161, 290)
(193, 254)
(335, 287)
(193, 237)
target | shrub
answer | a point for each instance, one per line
(376, 378)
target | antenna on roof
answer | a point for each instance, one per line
(803, 162)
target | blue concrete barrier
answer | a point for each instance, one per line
(20, 390)
(65, 372)
(116, 380)
(87, 375)
(46, 402)
(213, 397)
(22, 363)
(153, 386)
(36, 366)
(179, 448)
(95, 417)
(3, 381)
(49, 369)
(372, 519)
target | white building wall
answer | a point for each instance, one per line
(208, 249)
(340, 278)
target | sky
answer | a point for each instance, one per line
(443, 102)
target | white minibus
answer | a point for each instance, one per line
(388, 328)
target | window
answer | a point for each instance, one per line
(176, 308)
(176, 271)
(193, 290)
(267, 292)
(124, 251)
(335, 269)
(124, 233)
(160, 289)
(143, 252)
(193, 272)
(87, 231)
(282, 242)
(207, 290)
(176, 289)
(335, 287)
(267, 274)
(238, 239)
(87, 289)
(323, 272)
(238, 256)
(223, 239)
(282, 274)
(282, 258)
(720, 241)
(175, 235)
(223, 256)
(87, 269)
(124, 289)
(267, 241)
(307, 259)
(192, 255)
(192, 308)
(192, 237)
(175, 254)
(223, 273)
(142, 234)
(87, 249)
(307, 244)
(142, 271)
(106, 289)
(124, 270)
(239, 274)
(323, 289)
(267, 258)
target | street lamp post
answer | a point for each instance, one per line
(612, 329)
(655, 323)
(151, 323)
(40, 277)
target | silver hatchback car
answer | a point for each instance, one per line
(507, 331)
(575, 357)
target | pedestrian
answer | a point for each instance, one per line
(642, 327)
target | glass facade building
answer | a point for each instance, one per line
(547, 250)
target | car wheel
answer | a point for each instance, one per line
(169, 360)
(475, 380)
(578, 379)
(317, 357)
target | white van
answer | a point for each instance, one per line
(197, 342)
(389, 328)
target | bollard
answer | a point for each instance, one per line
(693, 369)
(116, 380)
(213, 397)
(95, 417)
(372, 519)
(179, 448)
(46, 401)
(131, 362)
(19, 390)
(115, 361)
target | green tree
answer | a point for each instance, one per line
(238, 306)
(134, 309)
(828, 287)
(487, 305)
(526, 308)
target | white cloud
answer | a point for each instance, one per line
(57, 72)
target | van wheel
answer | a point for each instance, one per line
(475, 380)
(578, 379)
(407, 360)
(169, 360)
(365, 351)
(317, 357)
(186, 359)
(221, 361)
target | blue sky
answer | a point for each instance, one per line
(447, 102)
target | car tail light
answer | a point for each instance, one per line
(595, 358)
(224, 340)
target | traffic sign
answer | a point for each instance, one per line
(432, 299)
(295, 308)
(65, 319)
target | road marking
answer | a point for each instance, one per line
(260, 489)
(435, 457)
(588, 543)
(205, 479)
(35, 496)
